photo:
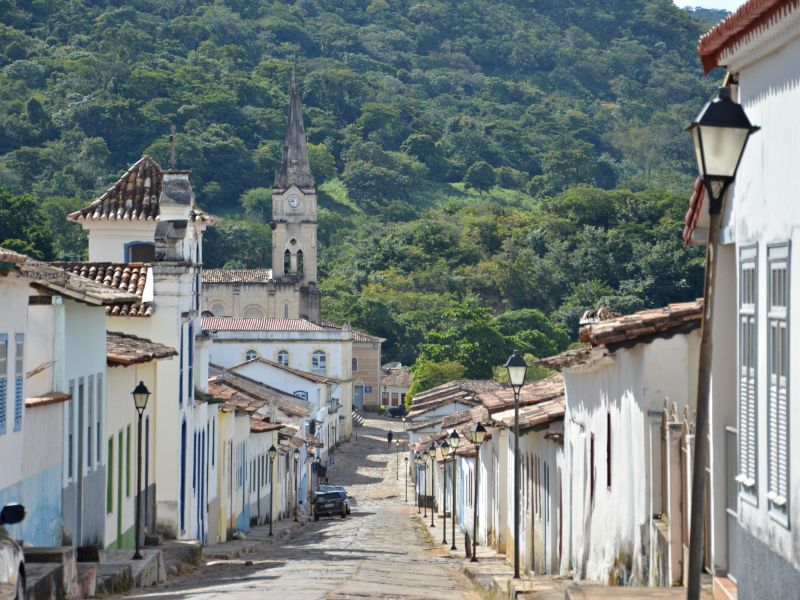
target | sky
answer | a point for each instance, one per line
(730, 5)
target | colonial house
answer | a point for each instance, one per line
(296, 344)
(366, 370)
(395, 382)
(52, 399)
(612, 465)
(756, 485)
(132, 360)
(145, 236)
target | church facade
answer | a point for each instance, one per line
(289, 289)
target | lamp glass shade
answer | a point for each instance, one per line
(432, 450)
(140, 396)
(445, 447)
(273, 452)
(454, 439)
(517, 367)
(720, 134)
(477, 434)
(296, 454)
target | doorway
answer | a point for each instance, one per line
(358, 397)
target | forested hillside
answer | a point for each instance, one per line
(487, 168)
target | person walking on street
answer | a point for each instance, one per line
(389, 439)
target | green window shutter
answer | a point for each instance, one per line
(128, 463)
(110, 477)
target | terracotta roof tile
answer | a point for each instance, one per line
(134, 197)
(212, 276)
(46, 399)
(566, 359)
(532, 415)
(127, 277)
(399, 377)
(645, 325)
(531, 393)
(123, 349)
(249, 395)
(262, 324)
(752, 18)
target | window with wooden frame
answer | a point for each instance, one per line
(778, 384)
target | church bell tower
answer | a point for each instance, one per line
(294, 215)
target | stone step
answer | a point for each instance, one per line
(45, 581)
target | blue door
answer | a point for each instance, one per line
(183, 477)
(358, 397)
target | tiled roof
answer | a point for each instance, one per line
(123, 349)
(127, 277)
(262, 324)
(211, 276)
(250, 395)
(645, 325)
(459, 386)
(566, 359)
(694, 212)
(751, 19)
(399, 377)
(531, 393)
(134, 197)
(304, 374)
(53, 279)
(366, 338)
(546, 411)
(261, 426)
(46, 399)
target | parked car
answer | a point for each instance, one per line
(397, 411)
(337, 488)
(330, 503)
(12, 560)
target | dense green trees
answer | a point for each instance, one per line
(475, 157)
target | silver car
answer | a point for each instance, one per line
(12, 560)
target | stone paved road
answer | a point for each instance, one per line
(377, 552)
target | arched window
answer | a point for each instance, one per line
(301, 394)
(283, 358)
(287, 262)
(355, 364)
(319, 362)
(253, 312)
(300, 264)
(140, 252)
(217, 308)
(286, 311)
(250, 355)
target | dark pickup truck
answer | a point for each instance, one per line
(330, 503)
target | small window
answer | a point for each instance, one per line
(301, 394)
(286, 311)
(319, 363)
(141, 252)
(354, 364)
(385, 399)
(250, 355)
(300, 264)
(283, 358)
(287, 262)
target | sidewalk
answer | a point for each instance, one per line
(256, 538)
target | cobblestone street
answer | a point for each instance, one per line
(379, 551)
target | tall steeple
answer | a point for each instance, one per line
(295, 168)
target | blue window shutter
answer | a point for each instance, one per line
(191, 363)
(3, 380)
(19, 373)
(180, 369)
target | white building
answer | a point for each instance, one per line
(615, 395)
(755, 299)
(300, 345)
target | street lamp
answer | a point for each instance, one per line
(273, 452)
(424, 465)
(720, 133)
(317, 463)
(418, 487)
(476, 435)
(445, 453)
(296, 455)
(405, 460)
(432, 456)
(517, 367)
(140, 395)
(454, 440)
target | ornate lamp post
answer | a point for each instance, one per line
(517, 367)
(432, 457)
(424, 465)
(272, 452)
(405, 460)
(140, 395)
(720, 134)
(317, 463)
(445, 453)
(454, 440)
(296, 455)
(476, 436)
(418, 486)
